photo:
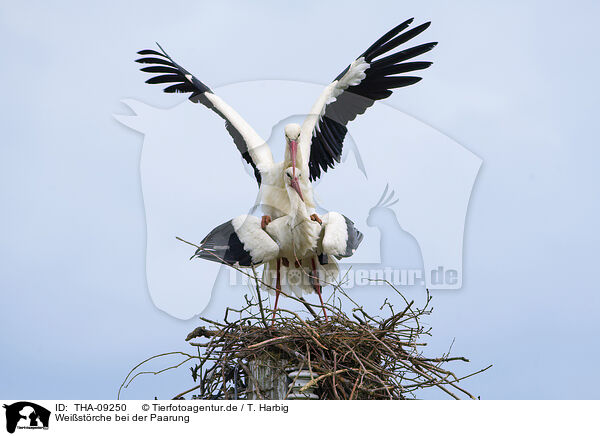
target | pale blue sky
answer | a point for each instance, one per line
(514, 82)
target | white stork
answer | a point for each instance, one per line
(294, 242)
(317, 144)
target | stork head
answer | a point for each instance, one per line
(291, 175)
(292, 135)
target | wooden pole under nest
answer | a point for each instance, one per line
(268, 379)
(274, 379)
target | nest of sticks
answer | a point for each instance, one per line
(353, 355)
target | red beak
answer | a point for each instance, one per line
(296, 185)
(293, 151)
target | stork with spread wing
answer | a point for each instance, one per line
(317, 145)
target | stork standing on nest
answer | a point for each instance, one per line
(294, 243)
(317, 144)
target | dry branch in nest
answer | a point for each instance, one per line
(353, 356)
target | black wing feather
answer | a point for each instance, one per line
(149, 52)
(159, 69)
(380, 79)
(331, 141)
(404, 55)
(184, 82)
(400, 68)
(167, 78)
(385, 38)
(223, 245)
(158, 61)
(355, 237)
(401, 39)
(176, 73)
(180, 87)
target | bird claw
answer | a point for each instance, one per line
(316, 218)
(285, 262)
(265, 221)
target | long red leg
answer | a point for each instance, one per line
(277, 289)
(317, 287)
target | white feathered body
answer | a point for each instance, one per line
(300, 240)
(274, 198)
(293, 237)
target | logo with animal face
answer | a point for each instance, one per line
(26, 415)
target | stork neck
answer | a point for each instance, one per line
(298, 210)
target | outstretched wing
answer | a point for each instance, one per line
(253, 148)
(370, 77)
(238, 242)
